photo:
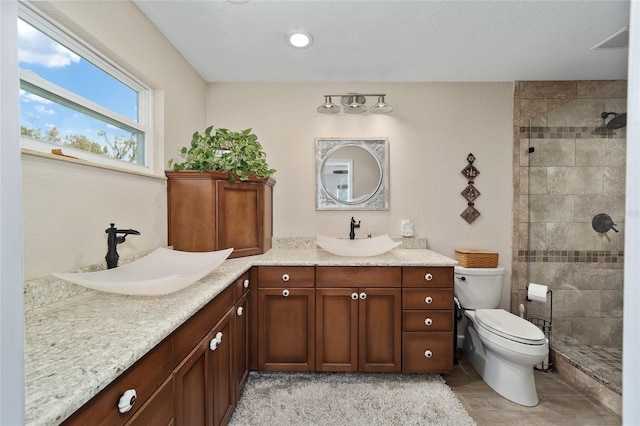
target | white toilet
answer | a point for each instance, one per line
(502, 347)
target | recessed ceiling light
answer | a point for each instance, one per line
(299, 40)
(237, 1)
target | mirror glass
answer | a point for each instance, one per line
(352, 174)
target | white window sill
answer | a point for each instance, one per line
(70, 159)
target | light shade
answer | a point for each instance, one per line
(328, 107)
(381, 107)
(355, 105)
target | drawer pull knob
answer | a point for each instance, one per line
(245, 284)
(239, 311)
(285, 277)
(215, 342)
(363, 295)
(428, 354)
(354, 296)
(428, 300)
(126, 401)
(427, 322)
(428, 277)
(285, 292)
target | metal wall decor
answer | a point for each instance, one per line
(470, 193)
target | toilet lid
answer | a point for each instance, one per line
(510, 326)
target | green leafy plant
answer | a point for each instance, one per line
(221, 150)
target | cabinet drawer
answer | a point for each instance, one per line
(192, 331)
(427, 321)
(418, 276)
(286, 276)
(427, 352)
(145, 377)
(358, 276)
(427, 299)
(242, 285)
(158, 410)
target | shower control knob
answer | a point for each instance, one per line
(354, 296)
(245, 284)
(127, 399)
(285, 277)
(428, 300)
(428, 322)
(285, 292)
(428, 277)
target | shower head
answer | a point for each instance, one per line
(617, 122)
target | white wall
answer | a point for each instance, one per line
(67, 206)
(11, 312)
(432, 130)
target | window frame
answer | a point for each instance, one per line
(65, 37)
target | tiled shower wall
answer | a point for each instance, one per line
(576, 171)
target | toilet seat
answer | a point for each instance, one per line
(509, 326)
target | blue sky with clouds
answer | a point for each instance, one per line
(57, 64)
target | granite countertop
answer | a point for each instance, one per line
(76, 346)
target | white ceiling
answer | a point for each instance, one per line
(395, 40)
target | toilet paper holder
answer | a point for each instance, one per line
(545, 326)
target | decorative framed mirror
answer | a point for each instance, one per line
(352, 174)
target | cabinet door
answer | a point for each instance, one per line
(380, 330)
(241, 337)
(191, 386)
(158, 409)
(240, 217)
(220, 363)
(286, 329)
(337, 329)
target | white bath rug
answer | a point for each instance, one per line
(354, 399)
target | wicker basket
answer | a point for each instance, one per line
(477, 258)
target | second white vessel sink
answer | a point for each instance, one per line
(161, 272)
(361, 247)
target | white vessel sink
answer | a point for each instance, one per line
(361, 247)
(161, 272)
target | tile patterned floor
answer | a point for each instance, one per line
(603, 363)
(559, 402)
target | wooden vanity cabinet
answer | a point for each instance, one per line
(427, 320)
(145, 377)
(286, 310)
(358, 319)
(207, 212)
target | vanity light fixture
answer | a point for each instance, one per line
(299, 40)
(354, 103)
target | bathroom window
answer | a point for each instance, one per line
(74, 99)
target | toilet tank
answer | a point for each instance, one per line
(478, 288)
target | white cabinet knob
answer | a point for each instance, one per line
(428, 277)
(427, 322)
(428, 353)
(354, 296)
(428, 300)
(245, 284)
(285, 277)
(239, 311)
(215, 342)
(126, 401)
(363, 295)
(285, 292)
